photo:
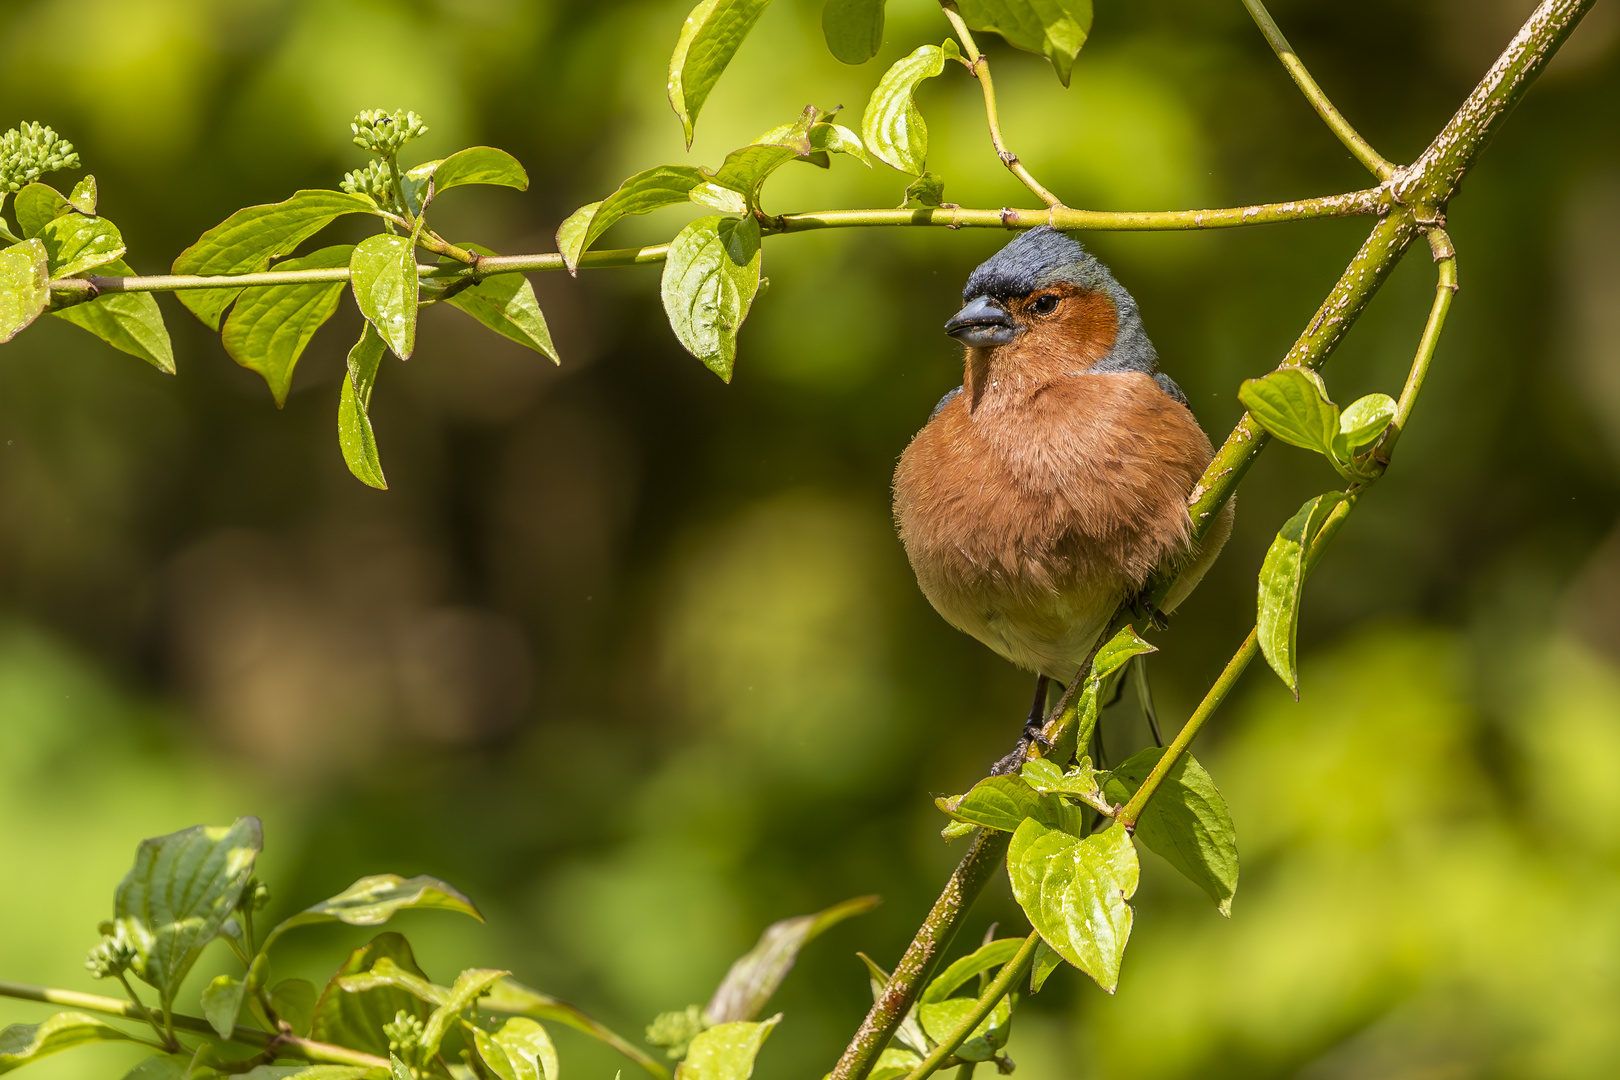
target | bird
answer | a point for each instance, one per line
(1053, 483)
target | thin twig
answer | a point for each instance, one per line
(987, 1001)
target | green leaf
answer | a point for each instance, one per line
(520, 1050)
(23, 1044)
(1055, 29)
(894, 1064)
(128, 321)
(1003, 802)
(398, 1069)
(828, 138)
(908, 1031)
(382, 273)
(853, 29)
(160, 1067)
(466, 990)
(1361, 424)
(755, 976)
(374, 900)
(1046, 962)
(222, 1002)
(648, 190)
(726, 1051)
(1074, 891)
(355, 438)
(37, 205)
(709, 39)
(1292, 403)
(710, 278)
(25, 286)
(1282, 580)
(505, 303)
(83, 196)
(270, 326)
(511, 997)
(990, 955)
(925, 191)
(315, 1072)
(75, 243)
(1187, 822)
(941, 1019)
(1111, 658)
(180, 892)
(891, 127)
(747, 167)
(1047, 779)
(474, 165)
(246, 241)
(294, 1002)
(355, 1018)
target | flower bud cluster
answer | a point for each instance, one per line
(383, 133)
(404, 1035)
(114, 956)
(30, 151)
(375, 180)
(676, 1030)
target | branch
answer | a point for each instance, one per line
(1363, 151)
(979, 65)
(1009, 974)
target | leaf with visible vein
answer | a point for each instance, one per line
(1074, 892)
(131, 322)
(373, 900)
(726, 1051)
(478, 165)
(1361, 424)
(506, 304)
(648, 190)
(355, 1017)
(271, 325)
(75, 243)
(466, 990)
(382, 274)
(1055, 29)
(36, 206)
(1186, 822)
(23, 1044)
(25, 286)
(756, 975)
(355, 437)
(1292, 403)
(709, 38)
(853, 29)
(892, 128)
(520, 1050)
(246, 241)
(1282, 582)
(990, 955)
(711, 276)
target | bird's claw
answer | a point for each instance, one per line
(1032, 735)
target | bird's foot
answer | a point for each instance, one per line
(1031, 736)
(1143, 608)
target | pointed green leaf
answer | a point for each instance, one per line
(246, 241)
(1074, 891)
(648, 190)
(128, 321)
(711, 275)
(726, 1051)
(83, 196)
(511, 997)
(1187, 822)
(36, 206)
(1047, 779)
(161, 1067)
(1046, 962)
(894, 1064)
(520, 1050)
(1361, 424)
(75, 243)
(355, 1018)
(709, 39)
(1055, 29)
(940, 1020)
(1003, 802)
(315, 1072)
(355, 438)
(1110, 659)
(830, 138)
(25, 286)
(505, 303)
(180, 892)
(382, 273)
(892, 128)
(853, 29)
(990, 955)
(270, 326)
(387, 973)
(1282, 580)
(398, 1068)
(294, 1002)
(747, 167)
(755, 976)
(222, 1002)
(925, 191)
(23, 1044)
(468, 987)
(475, 165)
(1292, 403)
(374, 900)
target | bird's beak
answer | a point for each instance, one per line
(982, 324)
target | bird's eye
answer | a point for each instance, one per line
(1045, 305)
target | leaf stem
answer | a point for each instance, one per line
(1331, 116)
(166, 1037)
(1010, 973)
(1445, 289)
(979, 65)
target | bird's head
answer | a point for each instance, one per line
(1044, 300)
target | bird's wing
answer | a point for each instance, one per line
(1167, 384)
(946, 400)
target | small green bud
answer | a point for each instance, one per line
(383, 133)
(676, 1030)
(256, 897)
(29, 151)
(375, 180)
(404, 1035)
(114, 956)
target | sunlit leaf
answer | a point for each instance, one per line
(894, 1064)
(181, 890)
(270, 326)
(892, 128)
(23, 1044)
(1118, 651)
(1186, 822)
(648, 190)
(355, 1018)
(382, 273)
(479, 165)
(1048, 779)
(1003, 802)
(1055, 29)
(75, 243)
(505, 303)
(387, 973)
(510, 997)
(941, 1019)
(990, 955)
(1282, 580)
(1361, 424)
(708, 40)
(1292, 403)
(161, 1067)
(466, 990)
(726, 1051)
(36, 206)
(755, 976)
(129, 321)
(25, 286)
(375, 899)
(246, 241)
(833, 138)
(314, 1072)
(222, 1002)
(711, 275)
(925, 191)
(294, 1002)
(1074, 892)
(1046, 961)
(853, 29)
(355, 437)
(520, 1050)
(83, 196)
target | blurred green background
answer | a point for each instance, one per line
(633, 657)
